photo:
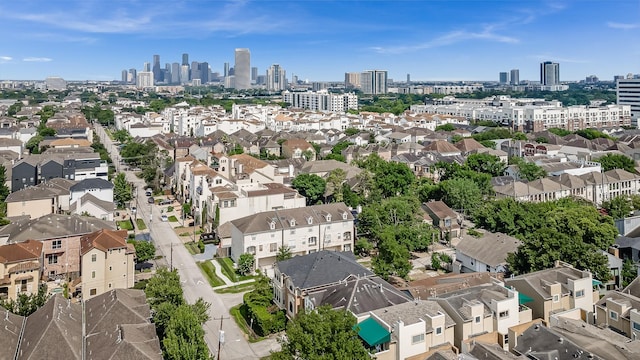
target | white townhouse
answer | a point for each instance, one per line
(302, 230)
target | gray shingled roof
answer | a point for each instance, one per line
(321, 268)
(359, 295)
(52, 226)
(96, 183)
(491, 249)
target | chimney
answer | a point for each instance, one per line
(613, 250)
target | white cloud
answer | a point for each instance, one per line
(623, 26)
(5, 58)
(37, 59)
(448, 39)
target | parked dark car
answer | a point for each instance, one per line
(150, 200)
(166, 202)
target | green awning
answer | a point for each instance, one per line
(595, 282)
(372, 332)
(522, 298)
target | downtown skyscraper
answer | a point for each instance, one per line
(276, 78)
(374, 82)
(242, 69)
(157, 70)
(549, 73)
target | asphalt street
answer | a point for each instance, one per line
(234, 345)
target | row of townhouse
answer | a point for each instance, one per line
(536, 117)
(67, 251)
(91, 262)
(396, 325)
(596, 187)
(71, 164)
(56, 196)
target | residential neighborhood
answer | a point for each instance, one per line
(436, 232)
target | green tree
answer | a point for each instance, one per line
(461, 193)
(184, 336)
(284, 253)
(46, 131)
(323, 334)
(310, 186)
(144, 250)
(121, 136)
(34, 144)
(445, 127)
(335, 179)
(617, 161)
(246, 263)
(529, 170)
(619, 207)
(351, 131)
(392, 259)
(629, 272)
(519, 136)
(486, 163)
(26, 305)
(122, 190)
(164, 287)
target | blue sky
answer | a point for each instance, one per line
(321, 40)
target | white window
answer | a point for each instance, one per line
(636, 326)
(503, 314)
(556, 298)
(312, 240)
(57, 244)
(272, 225)
(416, 339)
(93, 274)
(94, 257)
(613, 315)
(439, 330)
(477, 319)
(53, 259)
(579, 293)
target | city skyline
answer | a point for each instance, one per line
(322, 40)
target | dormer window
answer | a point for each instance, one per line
(344, 215)
(309, 220)
(272, 225)
(328, 217)
(292, 222)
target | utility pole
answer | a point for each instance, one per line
(171, 259)
(220, 336)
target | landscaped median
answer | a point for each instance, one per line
(141, 225)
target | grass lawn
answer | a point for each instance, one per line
(192, 247)
(227, 269)
(173, 218)
(237, 288)
(125, 225)
(141, 224)
(210, 273)
(242, 324)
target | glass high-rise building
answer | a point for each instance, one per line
(157, 70)
(515, 77)
(504, 77)
(242, 69)
(549, 73)
(374, 82)
(185, 59)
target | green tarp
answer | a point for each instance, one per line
(595, 282)
(372, 332)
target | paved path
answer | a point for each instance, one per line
(194, 285)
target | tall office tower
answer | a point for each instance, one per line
(184, 74)
(351, 80)
(254, 74)
(185, 59)
(204, 72)
(226, 69)
(157, 73)
(374, 82)
(124, 77)
(628, 92)
(145, 79)
(276, 78)
(294, 79)
(242, 69)
(549, 73)
(195, 70)
(133, 76)
(175, 73)
(146, 67)
(408, 78)
(515, 77)
(232, 71)
(504, 78)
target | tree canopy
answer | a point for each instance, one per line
(569, 230)
(617, 161)
(310, 186)
(323, 334)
